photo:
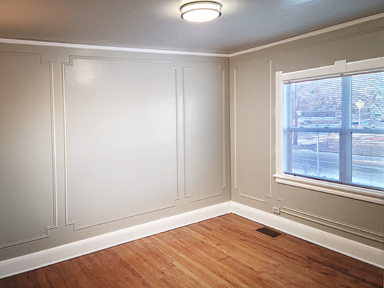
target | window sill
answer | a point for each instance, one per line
(364, 194)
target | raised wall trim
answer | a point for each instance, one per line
(69, 222)
(224, 184)
(53, 146)
(184, 129)
(234, 149)
(352, 229)
(339, 244)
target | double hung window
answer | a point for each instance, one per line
(330, 125)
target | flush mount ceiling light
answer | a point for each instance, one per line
(200, 11)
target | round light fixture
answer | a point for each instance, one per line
(200, 11)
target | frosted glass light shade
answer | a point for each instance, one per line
(200, 11)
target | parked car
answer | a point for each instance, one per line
(363, 124)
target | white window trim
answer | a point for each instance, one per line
(340, 67)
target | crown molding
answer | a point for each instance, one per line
(175, 52)
(310, 34)
(108, 48)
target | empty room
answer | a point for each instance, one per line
(175, 143)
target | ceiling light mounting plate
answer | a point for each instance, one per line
(200, 11)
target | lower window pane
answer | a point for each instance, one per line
(316, 155)
(368, 160)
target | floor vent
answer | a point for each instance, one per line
(271, 233)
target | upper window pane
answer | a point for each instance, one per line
(368, 100)
(315, 103)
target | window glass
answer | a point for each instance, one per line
(368, 159)
(315, 103)
(334, 129)
(315, 154)
(368, 100)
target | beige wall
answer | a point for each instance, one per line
(252, 82)
(94, 141)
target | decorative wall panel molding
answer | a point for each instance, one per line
(252, 126)
(301, 56)
(312, 207)
(120, 118)
(345, 227)
(28, 207)
(204, 130)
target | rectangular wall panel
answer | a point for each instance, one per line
(121, 142)
(252, 128)
(204, 108)
(27, 167)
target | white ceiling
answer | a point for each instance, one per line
(156, 24)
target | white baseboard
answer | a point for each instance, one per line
(61, 253)
(333, 242)
(54, 255)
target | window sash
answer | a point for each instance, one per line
(339, 68)
(345, 164)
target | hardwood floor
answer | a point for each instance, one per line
(221, 252)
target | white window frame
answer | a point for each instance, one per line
(339, 68)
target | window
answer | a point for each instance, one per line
(330, 129)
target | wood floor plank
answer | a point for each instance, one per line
(301, 253)
(190, 260)
(221, 252)
(247, 255)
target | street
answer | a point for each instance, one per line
(366, 170)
